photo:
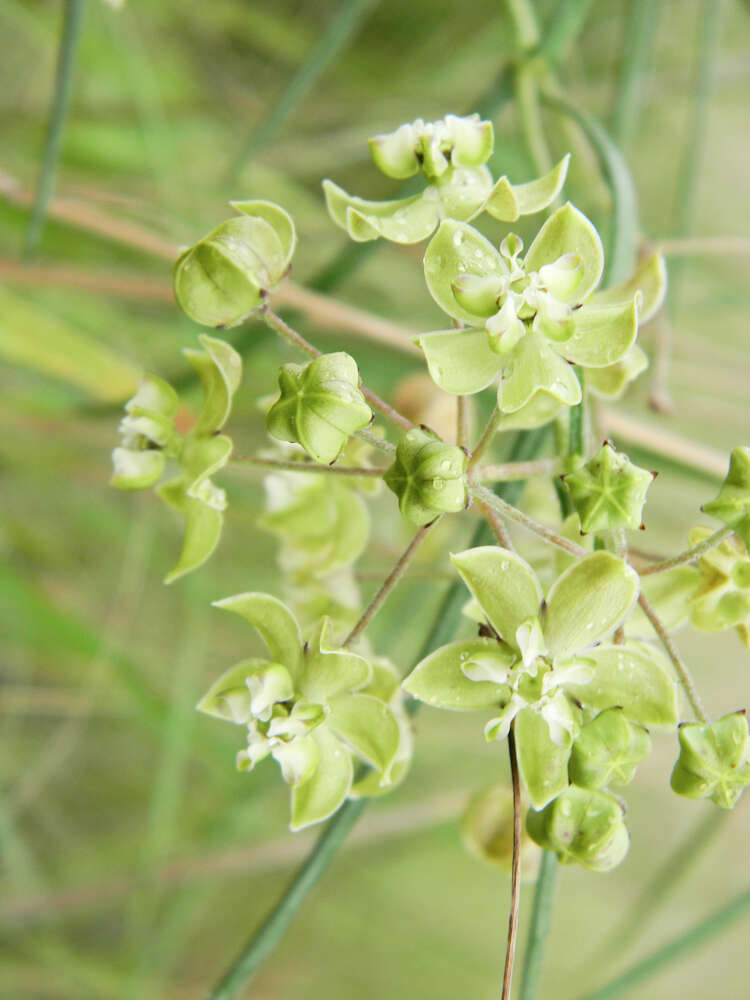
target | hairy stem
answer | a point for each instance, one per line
(691, 554)
(297, 340)
(505, 509)
(389, 583)
(486, 439)
(66, 56)
(506, 471)
(515, 885)
(539, 927)
(679, 664)
(498, 528)
(276, 463)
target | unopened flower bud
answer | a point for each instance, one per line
(582, 825)
(732, 505)
(428, 477)
(320, 405)
(609, 491)
(714, 761)
(607, 751)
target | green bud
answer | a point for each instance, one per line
(428, 477)
(487, 832)
(582, 825)
(714, 761)
(227, 274)
(722, 598)
(609, 491)
(607, 751)
(433, 147)
(320, 406)
(732, 505)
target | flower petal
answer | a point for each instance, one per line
(601, 335)
(534, 368)
(321, 795)
(460, 361)
(440, 679)
(569, 231)
(274, 622)
(457, 249)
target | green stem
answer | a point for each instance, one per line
(539, 926)
(576, 421)
(686, 943)
(668, 876)
(344, 23)
(639, 32)
(690, 555)
(272, 930)
(486, 439)
(515, 886)
(564, 27)
(527, 446)
(71, 31)
(485, 496)
(506, 471)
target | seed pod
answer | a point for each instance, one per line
(609, 491)
(428, 476)
(607, 751)
(320, 406)
(714, 761)
(226, 275)
(582, 825)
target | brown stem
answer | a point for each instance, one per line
(389, 583)
(515, 885)
(276, 463)
(679, 664)
(498, 528)
(462, 421)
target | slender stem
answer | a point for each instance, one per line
(690, 555)
(297, 340)
(276, 463)
(679, 664)
(389, 583)
(639, 32)
(515, 884)
(498, 528)
(576, 421)
(621, 550)
(669, 875)
(373, 439)
(342, 26)
(563, 28)
(271, 931)
(539, 927)
(66, 57)
(507, 471)
(686, 943)
(485, 440)
(505, 509)
(462, 421)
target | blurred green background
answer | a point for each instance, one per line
(135, 861)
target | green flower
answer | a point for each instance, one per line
(732, 505)
(428, 476)
(549, 657)
(714, 761)
(608, 491)
(320, 406)
(528, 318)
(149, 439)
(450, 154)
(308, 707)
(583, 826)
(148, 435)
(228, 273)
(722, 597)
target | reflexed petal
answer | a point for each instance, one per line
(455, 250)
(542, 762)
(509, 201)
(650, 279)
(328, 670)
(532, 368)
(588, 602)
(320, 795)
(569, 231)
(441, 679)
(274, 622)
(505, 586)
(601, 335)
(460, 361)
(368, 727)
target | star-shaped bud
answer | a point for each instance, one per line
(584, 826)
(609, 491)
(732, 505)
(714, 761)
(428, 476)
(320, 406)
(607, 751)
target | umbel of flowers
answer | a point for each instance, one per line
(311, 706)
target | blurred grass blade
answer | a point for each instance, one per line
(643, 17)
(689, 941)
(66, 57)
(344, 23)
(32, 337)
(539, 926)
(563, 28)
(623, 234)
